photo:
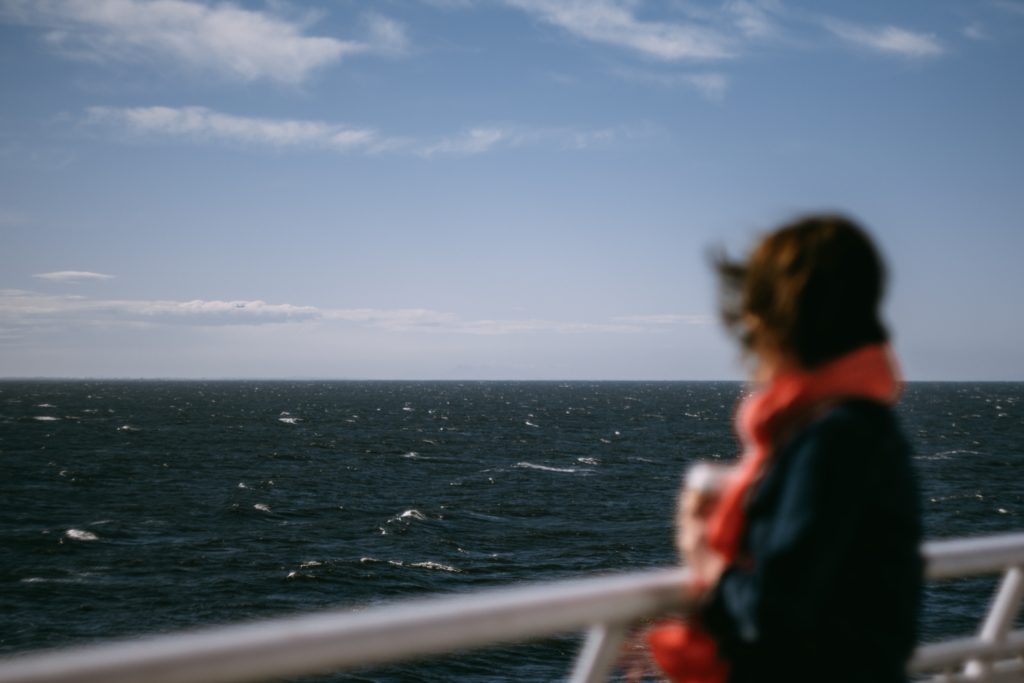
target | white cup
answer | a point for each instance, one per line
(704, 484)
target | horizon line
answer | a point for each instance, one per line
(43, 378)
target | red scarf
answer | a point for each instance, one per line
(685, 652)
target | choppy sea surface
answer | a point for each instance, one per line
(135, 507)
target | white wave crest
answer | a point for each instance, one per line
(412, 514)
(532, 466)
(80, 535)
(437, 566)
(262, 507)
(47, 418)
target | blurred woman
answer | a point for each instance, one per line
(807, 559)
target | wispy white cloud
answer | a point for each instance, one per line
(665, 319)
(22, 308)
(223, 38)
(473, 141)
(754, 19)
(975, 31)
(1012, 6)
(887, 39)
(615, 22)
(484, 139)
(711, 85)
(199, 124)
(72, 276)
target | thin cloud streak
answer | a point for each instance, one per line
(887, 39)
(226, 39)
(200, 124)
(72, 276)
(22, 308)
(712, 86)
(613, 22)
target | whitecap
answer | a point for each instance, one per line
(411, 454)
(412, 514)
(587, 461)
(288, 420)
(50, 405)
(310, 563)
(242, 485)
(530, 465)
(80, 535)
(46, 418)
(408, 408)
(436, 565)
(531, 424)
(128, 428)
(262, 507)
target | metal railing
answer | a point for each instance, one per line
(604, 607)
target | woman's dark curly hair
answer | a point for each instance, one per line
(810, 290)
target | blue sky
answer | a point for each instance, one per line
(522, 189)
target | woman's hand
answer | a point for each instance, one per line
(705, 564)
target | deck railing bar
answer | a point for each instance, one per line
(599, 652)
(1000, 617)
(1002, 672)
(337, 639)
(948, 559)
(953, 653)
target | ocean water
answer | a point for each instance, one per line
(141, 507)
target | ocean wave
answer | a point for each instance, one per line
(80, 535)
(40, 579)
(436, 565)
(262, 507)
(546, 468)
(413, 514)
(46, 418)
(428, 564)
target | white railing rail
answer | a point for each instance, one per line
(605, 607)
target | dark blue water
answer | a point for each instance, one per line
(139, 507)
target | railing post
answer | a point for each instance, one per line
(999, 619)
(599, 653)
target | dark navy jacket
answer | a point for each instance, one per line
(828, 582)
